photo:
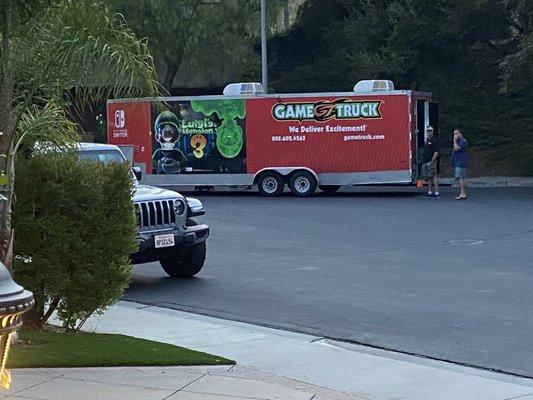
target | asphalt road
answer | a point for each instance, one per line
(441, 278)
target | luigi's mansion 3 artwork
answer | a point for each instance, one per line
(200, 136)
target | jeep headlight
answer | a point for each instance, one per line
(179, 207)
(196, 208)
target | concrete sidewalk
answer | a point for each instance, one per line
(356, 370)
(158, 383)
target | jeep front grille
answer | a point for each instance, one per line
(155, 214)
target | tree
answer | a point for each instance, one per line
(518, 65)
(212, 38)
(453, 48)
(56, 56)
(301, 55)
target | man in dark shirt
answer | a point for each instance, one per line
(430, 163)
(460, 162)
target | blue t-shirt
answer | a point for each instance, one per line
(459, 157)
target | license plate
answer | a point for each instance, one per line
(164, 240)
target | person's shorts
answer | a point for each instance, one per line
(429, 170)
(459, 172)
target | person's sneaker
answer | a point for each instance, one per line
(436, 194)
(428, 195)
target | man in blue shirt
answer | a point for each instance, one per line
(460, 161)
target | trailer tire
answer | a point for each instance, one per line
(270, 184)
(303, 183)
(329, 189)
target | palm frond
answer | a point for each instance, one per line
(80, 51)
(48, 125)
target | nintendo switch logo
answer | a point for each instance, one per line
(120, 118)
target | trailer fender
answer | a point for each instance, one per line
(285, 172)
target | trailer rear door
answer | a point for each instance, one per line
(427, 113)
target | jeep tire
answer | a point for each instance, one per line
(186, 266)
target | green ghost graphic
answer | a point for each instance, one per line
(230, 137)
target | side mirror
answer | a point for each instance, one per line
(137, 172)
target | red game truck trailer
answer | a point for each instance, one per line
(371, 135)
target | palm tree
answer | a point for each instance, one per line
(56, 55)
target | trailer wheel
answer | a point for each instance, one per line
(303, 183)
(270, 184)
(329, 189)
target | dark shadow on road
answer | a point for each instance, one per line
(358, 194)
(150, 276)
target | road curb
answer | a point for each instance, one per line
(493, 181)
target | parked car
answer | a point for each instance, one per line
(167, 231)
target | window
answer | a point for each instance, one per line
(106, 156)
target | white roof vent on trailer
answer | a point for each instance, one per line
(373, 85)
(243, 89)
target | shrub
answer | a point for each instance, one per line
(75, 229)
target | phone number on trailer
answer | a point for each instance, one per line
(289, 138)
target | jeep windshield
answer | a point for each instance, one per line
(106, 157)
(103, 156)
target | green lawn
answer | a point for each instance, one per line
(80, 349)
